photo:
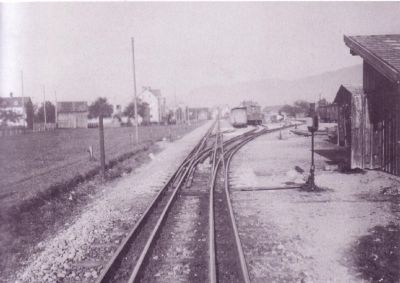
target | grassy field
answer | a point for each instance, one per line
(32, 163)
(40, 172)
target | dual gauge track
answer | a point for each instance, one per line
(198, 193)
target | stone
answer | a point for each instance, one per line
(94, 274)
(60, 274)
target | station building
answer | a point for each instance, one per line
(369, 115)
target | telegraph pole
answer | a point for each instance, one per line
(44, 108)
(134, 92)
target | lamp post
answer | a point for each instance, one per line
(312, 128)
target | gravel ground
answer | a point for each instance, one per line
(347, 233)
(78, 252)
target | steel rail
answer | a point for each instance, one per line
(211, 230)
(229, 152)
(197, 155)
(242, 259)
(139, 263)
(105, 275)
(214, 173)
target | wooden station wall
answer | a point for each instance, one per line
(382, 132)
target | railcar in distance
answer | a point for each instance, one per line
(254, 114)
(238, 117)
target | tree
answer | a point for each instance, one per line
(130, 109)
(302, 106)
(30, 110)
(100, 108)
(322, 102)
(50, 113)
(289, 110)
(299, 106)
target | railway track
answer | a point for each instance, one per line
(194, 202)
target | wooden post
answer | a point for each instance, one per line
(102, 152)
(44, 108)
(56, 109)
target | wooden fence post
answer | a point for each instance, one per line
(102, 152)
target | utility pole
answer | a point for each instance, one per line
(44, 108)
(134, 92)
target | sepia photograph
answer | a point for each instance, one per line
(194, 142)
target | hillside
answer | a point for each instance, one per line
(276, 91)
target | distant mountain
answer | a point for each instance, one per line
(272, 108)
(277, 91)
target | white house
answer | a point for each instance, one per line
(156, 104)
(17, 105)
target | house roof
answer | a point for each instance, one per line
(72, 106)
(7, 102)
(380, 51)
(156, 92)
(345, 92)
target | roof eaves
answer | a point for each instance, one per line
(382, 66)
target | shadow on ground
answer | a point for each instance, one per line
(376, 256)
(339, 156)
(336, 156)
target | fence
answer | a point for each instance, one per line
(4, 132)
(41, 127)
(13, 131)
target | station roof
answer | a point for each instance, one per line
(380, 51)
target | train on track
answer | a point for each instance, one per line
(249, 114)
(238, 117)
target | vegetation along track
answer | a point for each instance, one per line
(213, 256)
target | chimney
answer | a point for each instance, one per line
(11, 94)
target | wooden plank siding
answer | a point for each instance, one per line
(384, 103)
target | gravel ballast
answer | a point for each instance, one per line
(78, 252)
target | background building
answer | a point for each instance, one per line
(22, 107)
(156, 105)
(72, 114)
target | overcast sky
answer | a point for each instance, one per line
(82, 50)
